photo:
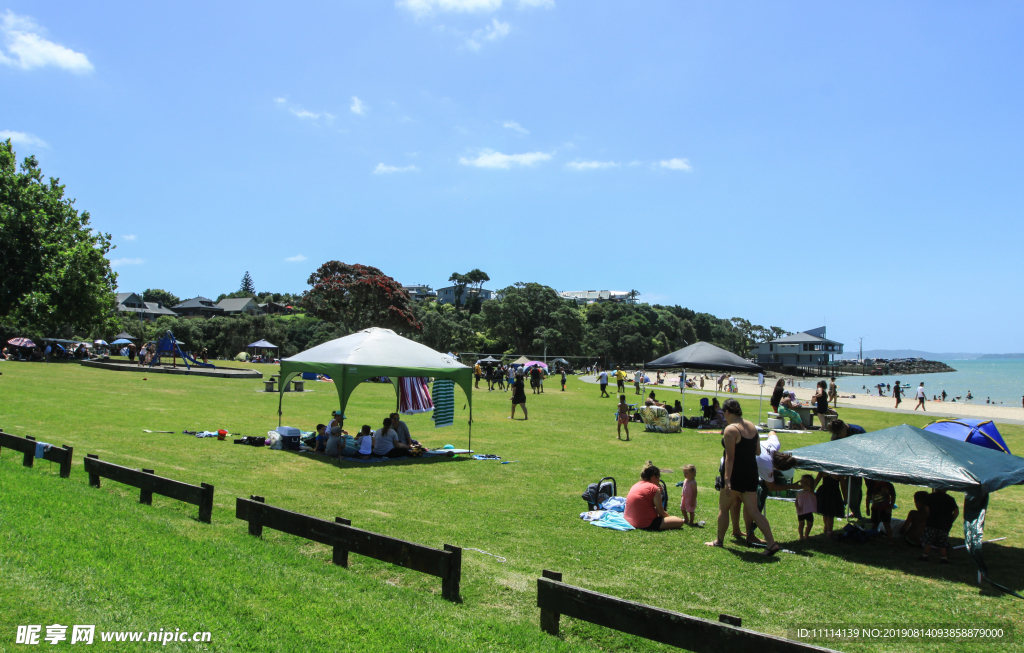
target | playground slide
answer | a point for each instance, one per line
(194, 361)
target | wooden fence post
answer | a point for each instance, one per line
(30, 456)
(453, 575)
(65, 467)
(340, 554)
(549, 620)
(206, 503)
(146, 496)
(255, 525)
(731, 620)
(94, 479)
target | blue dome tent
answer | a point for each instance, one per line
(976, 431)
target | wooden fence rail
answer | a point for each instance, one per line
(27, 445)
(445, 564)
(149, 483)
(555, 598)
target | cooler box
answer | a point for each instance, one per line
(290, 437)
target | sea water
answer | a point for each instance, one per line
(1001, 381)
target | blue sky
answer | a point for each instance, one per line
(792, 163)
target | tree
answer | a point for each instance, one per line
(56, 279)
(248, 287)
(358, 296)
(523, 308)
(460, 282)
(633, 294)
(157, 295)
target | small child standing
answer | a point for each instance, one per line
(688, 505)
(882, 499)
(563, 379)
(806, 506)
(913, 528)
(623, 418)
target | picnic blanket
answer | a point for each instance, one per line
(657, 419)
(610, 519)
(444, 403)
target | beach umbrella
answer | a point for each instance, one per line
(537, 363)
(21, 342)
(121, 341)
(100, 342)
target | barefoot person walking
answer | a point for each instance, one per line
(519, 395)
(897, 392)
(742, 447)
(920, 398)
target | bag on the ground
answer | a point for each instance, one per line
(598, 493)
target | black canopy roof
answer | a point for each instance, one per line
(704, 356)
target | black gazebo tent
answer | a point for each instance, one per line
(702, 356)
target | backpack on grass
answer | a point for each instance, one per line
(598, 493)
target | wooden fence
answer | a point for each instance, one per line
(555, 598)
(445, 564)
(27, 445)
(149, 483)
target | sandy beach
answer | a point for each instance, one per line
(804, 389)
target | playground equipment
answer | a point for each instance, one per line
(168, 345)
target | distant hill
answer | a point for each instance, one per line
(927, 355)
(999, 356)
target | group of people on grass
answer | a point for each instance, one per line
(749, 463)
(392, 440)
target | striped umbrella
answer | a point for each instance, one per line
(21, 342)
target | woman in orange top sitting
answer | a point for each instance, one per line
(644, 507)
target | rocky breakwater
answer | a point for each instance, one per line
(914, 367)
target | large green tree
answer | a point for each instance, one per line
(55, 278)
(165, 297)
(359, 296)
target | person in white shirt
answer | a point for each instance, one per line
(386, 442)
(920, 398)
(602, 378)
(364, 441)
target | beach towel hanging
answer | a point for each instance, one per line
(414, 395)
(444, 403)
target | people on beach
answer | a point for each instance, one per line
(833, 392)
(645, 508)
(897, 392)
(920, 397)
(602, 378)
(623, 418)
(742, 446)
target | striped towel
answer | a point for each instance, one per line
(414, 395)
(444, 402)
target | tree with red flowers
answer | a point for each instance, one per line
(358, 297)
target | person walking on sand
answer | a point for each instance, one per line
(897, 392)
(833, 393)
(920, 397)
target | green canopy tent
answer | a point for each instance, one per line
(371, 353)
(912, 456)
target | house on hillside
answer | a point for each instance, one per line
(274, 308)
(131, 303)
(419, 292)
(240, 305)
(198, 307)
(595, 296)
(447, 295)
(808, 348)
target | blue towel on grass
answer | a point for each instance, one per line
(613, 520)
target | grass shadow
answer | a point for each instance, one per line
(397, 462)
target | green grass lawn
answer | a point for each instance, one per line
(73, 554)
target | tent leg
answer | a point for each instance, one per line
(470, 447)
(280, 398)
(759, 406)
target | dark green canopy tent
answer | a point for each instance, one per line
(913, 456)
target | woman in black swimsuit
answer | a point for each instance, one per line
(897, 392)
(821, 404)
(742, 446)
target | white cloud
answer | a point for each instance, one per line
(590, 165)
(634, 163)
(310, 115)
(358, 107)
(543, 4)
(26, 49)
(118, 262)
(492, 159)
(129, 237)
(280, 100)
(496, 30)
(676, 164)
(296, 259)
(515, 126)
(382, 169)
(21, 138)
(426, 7)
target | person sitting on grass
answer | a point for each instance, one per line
(386, 442)
(644, 507)
(942, 512)
(402, 429)
(882, 498)
(623, 418)
(364, 443)
(320, 445)
(913, 528)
